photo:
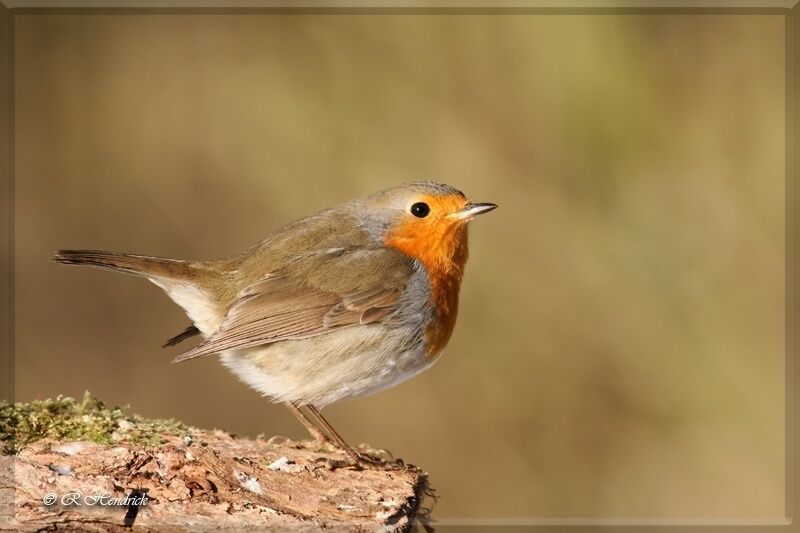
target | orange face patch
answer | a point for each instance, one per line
(433, 239)
(440, 244)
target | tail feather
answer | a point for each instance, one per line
(133, 264)
(191, 285)
(191, 331)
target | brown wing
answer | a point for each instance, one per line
(282, 306)
(362, 307)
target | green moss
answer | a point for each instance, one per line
(152, 432)
(67, 419)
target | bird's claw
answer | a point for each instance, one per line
(329, 463)
(366, 462)
(362, 462)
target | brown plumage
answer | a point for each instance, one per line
(339, 304)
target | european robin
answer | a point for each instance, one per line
(339, 304)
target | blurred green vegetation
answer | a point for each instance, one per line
(620, 347)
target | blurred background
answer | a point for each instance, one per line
(620, 350)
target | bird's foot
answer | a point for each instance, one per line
(360, 461)
(371, 462)
(322, 444)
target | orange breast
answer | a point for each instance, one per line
(444, 291)
(442, 249)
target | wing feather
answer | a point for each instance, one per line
(281, 307)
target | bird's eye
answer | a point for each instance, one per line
(420, 209)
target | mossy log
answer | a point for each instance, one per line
(107, 471)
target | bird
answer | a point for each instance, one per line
(339, 304)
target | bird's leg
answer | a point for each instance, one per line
(319, 436)
(328, 434)
(340, 442)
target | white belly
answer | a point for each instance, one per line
(321, 370)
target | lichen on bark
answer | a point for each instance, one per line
(88, 419)
(193, 478)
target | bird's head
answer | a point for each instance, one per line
(424, 220)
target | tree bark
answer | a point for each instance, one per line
(199, 480)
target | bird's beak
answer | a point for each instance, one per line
(469, 211)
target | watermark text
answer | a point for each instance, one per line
(76, 499)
